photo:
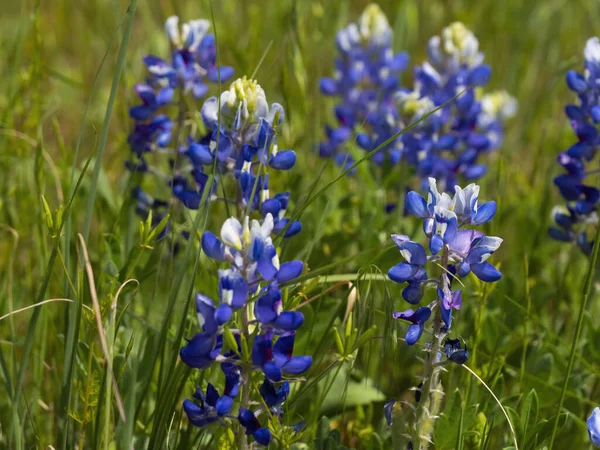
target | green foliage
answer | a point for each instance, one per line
(65, 89)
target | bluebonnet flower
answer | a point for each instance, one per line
(466, 250)
(593, 425)
(455, 352)
(248, 420)
(582, 197)
(275, 360)
(254, 272)
(457, 249)
(191, 65)
(367, 72)
(418, 319)
(449, 143)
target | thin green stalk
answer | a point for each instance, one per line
(109, 108)
(589, 277)
(428, 406)
(245, 400)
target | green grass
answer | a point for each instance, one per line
(66, 84)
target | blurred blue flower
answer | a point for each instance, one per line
(581, 210)
(418, 319)
(455, 352)
(367, 72)
(593, 425)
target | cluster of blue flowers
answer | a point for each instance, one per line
(241, 141)
(593, 425)
(373, 107)
(367, 73)
(457, 249)
(193, 64)
(581, 210)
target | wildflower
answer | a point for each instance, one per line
(367, 72)
(593, 424)
(455, 352)
(581, 196)
(277, 359)
(248, 420)
(418, 319)
(458, 249)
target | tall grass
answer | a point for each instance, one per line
(65, 89)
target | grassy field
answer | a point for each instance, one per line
(119, 304)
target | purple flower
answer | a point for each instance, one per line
(417, 319)
(277, 359)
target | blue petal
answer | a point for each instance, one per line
(475, 171)
(402, 272)
(413, 293)
(248, 420)
(446, 316)
(212, 246)
(480, 75)
(416, 205)
(328, 86)
(262, 436)
(289, 320)
(485, 213)
(200, 154)
(265, 308)
(292, 230)
(486, 272)
(223, 313)
(289, 270)
(265, 264)
(206, 313)
(262, 349)
(272, 206)
(576, 82)
(272, 371)
(436, 244)
(284, 160)
(141, 112)
(595, 113)
(224, 405)
(414, 333)
(297, 365)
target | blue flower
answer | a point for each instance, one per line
(455, 352)
(274, 395)
(449, 301)
(580, 211)
(268, 311)
(417, 319)
(277, 359)
(201, 350)
(446, 222)
(593, 425)
(248, 420)
(367, 72)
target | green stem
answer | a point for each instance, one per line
(105, 126)
(245, 400)
(586, 296)
(429, 405)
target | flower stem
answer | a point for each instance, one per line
(429, 404)
(245, 401)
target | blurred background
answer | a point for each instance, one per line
(58, 63)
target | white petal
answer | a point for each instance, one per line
(231, 233)
(172, 30)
